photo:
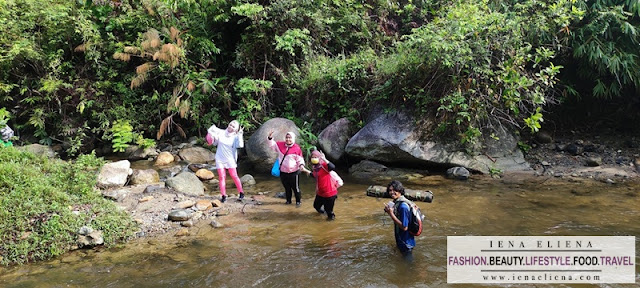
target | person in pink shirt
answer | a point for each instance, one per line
(291, 163)
(228, 141)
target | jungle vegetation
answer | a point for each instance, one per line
(80, 73)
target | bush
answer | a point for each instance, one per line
(44, 202)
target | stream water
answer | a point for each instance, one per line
(277, 245)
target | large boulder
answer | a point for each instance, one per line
(333, 139)
(257, 148)
(393, 138)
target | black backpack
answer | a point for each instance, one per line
(415, 223)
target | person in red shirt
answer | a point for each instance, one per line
(326, 191)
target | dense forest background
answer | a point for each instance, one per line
(88, 73)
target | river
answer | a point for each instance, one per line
(277, 245)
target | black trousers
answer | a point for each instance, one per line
(291, 185)
(327, 202)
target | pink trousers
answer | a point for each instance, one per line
(222, 176)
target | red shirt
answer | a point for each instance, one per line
(324, 185)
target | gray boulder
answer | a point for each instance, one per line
(394, 138)
(257, 148)
(333, 139)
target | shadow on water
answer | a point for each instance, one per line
(277, 245)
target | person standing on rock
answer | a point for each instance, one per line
(326, 192)
(228, 142)
(291, 163)
(400, 213)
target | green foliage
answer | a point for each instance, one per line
(533, 122)
(121, 135)
(4, 117)
(71, 68)
(524, 147)
(144, 143)
(605, 47)
(44, 202)
(292, 40)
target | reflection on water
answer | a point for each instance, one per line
(277, 245)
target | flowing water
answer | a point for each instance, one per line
(277, 245)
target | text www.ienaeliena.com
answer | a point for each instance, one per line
(545, 277)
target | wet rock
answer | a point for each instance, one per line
(164, 158)
(146, 176)
(139, 153)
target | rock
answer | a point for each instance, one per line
(164, 158)
(205, 174)
(257, 147)
(196, 155)
(390, 138)
(334, 138)
(247, 180)
(39, 150)
(182, 232)
(146, 176)
(459, 173)
(145, 199)
(187, 223)
(187, 183)
(593, 161)
(543, 137)
(216, 203)
(573, 149)
(114, 174)
(116, 194)
(203, 205)
(216, 224)
(179, 215)
(139, 153)
(185, 204)
(90, 239)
